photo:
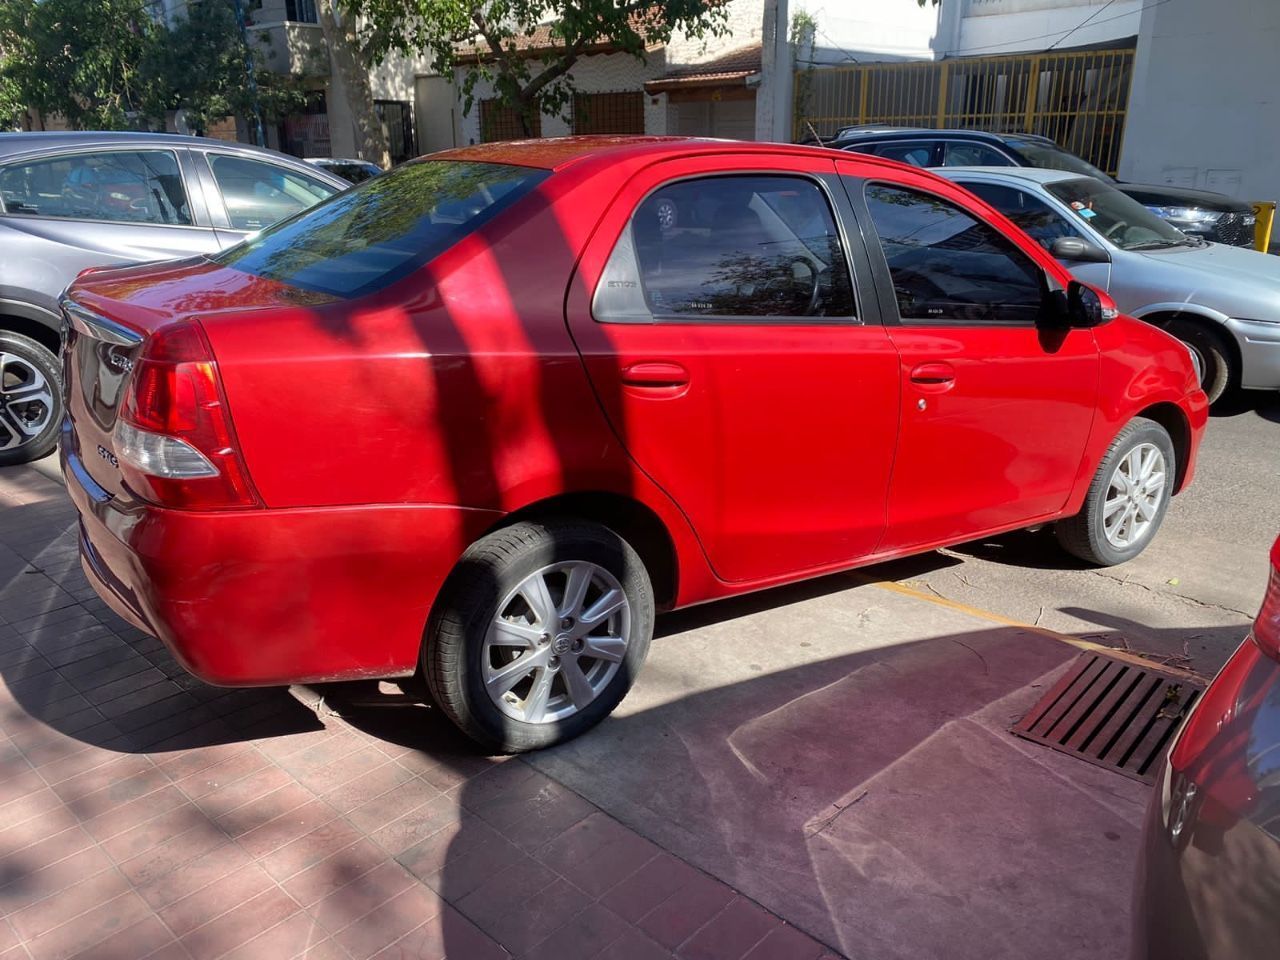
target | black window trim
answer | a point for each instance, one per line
(880, 263)
(838, 213)
(29, 158)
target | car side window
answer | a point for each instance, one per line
(257, 193)
(961, 154)
(947, 266)
(123, 186)
(1037, 218)
(728, 247)
(917, 153)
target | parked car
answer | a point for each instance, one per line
(1223, 302)
(1209, 873)
(353, 171)
(1201, 213)
(75, 200)
(488, 412)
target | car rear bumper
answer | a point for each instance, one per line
(260, 597)
(1259, 353)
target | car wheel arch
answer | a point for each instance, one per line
(626, 516)
(1212, 323)
(1170, 416)
(42, 333)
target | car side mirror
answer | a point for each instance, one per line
(1077, 250)
(1085, 307)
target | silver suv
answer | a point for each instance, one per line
(74, 200)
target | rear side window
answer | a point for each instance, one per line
(122, 186)
(383, 229)
(257, 194)
(948, 267)
(918, 153)
(728, 247)
(963, 154)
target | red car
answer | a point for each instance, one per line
(484, 415)
(1209, 878)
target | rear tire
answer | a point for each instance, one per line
(30, 399)
(1214, 353)
(517, 674)
(1121, 491)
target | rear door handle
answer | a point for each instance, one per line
(655, 373)
(934, 374)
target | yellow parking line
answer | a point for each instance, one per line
(991, 615)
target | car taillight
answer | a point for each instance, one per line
(174, 438)
(1266, 628)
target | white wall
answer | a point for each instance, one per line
(868, 30)
(745, 22)
(1009, 26)
(1203, 109)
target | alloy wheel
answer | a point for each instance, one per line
(557, 641)
(26, 401)
(1134, 496)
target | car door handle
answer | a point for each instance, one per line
(933, 374)
(655, 373)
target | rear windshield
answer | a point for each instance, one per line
(367, 237)
(1050, 156)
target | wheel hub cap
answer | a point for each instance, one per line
(26, 401)
(557, 641)
(1135, 494)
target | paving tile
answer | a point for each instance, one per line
(287, 827)
(361, 896)
(531, 811)
(418, 824)
(194, 876)
(584, 936)
(172, 854)
(147, 940)
(310, 849)
(785, 942)
(264, 809)
(731, 933)
(156, 831)
(19, 782)
(65, 758)
(121, 791)
(457, 859)
(298, 936)
(219, 773)
(392, 805)
(678, 917)
(385, 777)
(89, 929)
(28, 881)
(597, 853)
(447, 934)
(522, 904)
(212, 901)
(178, 766)
(102, 776)
(240, 925)
(37, 853)
(232, 796)
(71, 901)
(334, 872)
(634, 945)
(377, 929)
(135, 813)
(312, 761)
(649, 886)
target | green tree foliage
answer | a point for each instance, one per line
(501, 31)
(198, 65)
(77, 58)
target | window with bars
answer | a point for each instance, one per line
(499, 121)
(301, 11)
(621, 112)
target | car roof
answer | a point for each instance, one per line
(872, 131)
(560, 152)
(1041, 175)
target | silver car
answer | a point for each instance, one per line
(74, 200)
(1223, 302)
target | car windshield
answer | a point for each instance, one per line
(1050, 156)
(381, 230)
(1121, 219)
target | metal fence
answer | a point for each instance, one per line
(621, 112)
(1077, 98)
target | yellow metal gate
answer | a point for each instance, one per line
(1077, 98)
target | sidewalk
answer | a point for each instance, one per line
(818, 771)
(143, 814)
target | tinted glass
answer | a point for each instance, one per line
(1118, 217)
(1032, 214)
(126, 186)
(379, 231)
(917, 154)
(958, 154)
(1050, 156)
(257, 194)
(947, 266)
(741, 247)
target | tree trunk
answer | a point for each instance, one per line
(348, 66)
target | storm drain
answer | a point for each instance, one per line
(1113, 713)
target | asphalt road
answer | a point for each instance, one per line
(1188, 599)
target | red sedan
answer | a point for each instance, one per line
(484, 415)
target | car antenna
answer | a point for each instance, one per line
(814, 133)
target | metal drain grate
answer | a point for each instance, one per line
(1114, 713)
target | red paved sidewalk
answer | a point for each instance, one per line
(143, 814)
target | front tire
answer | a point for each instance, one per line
(1127, 499)
(30, 399)
(538, 633)
(1214, 355)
